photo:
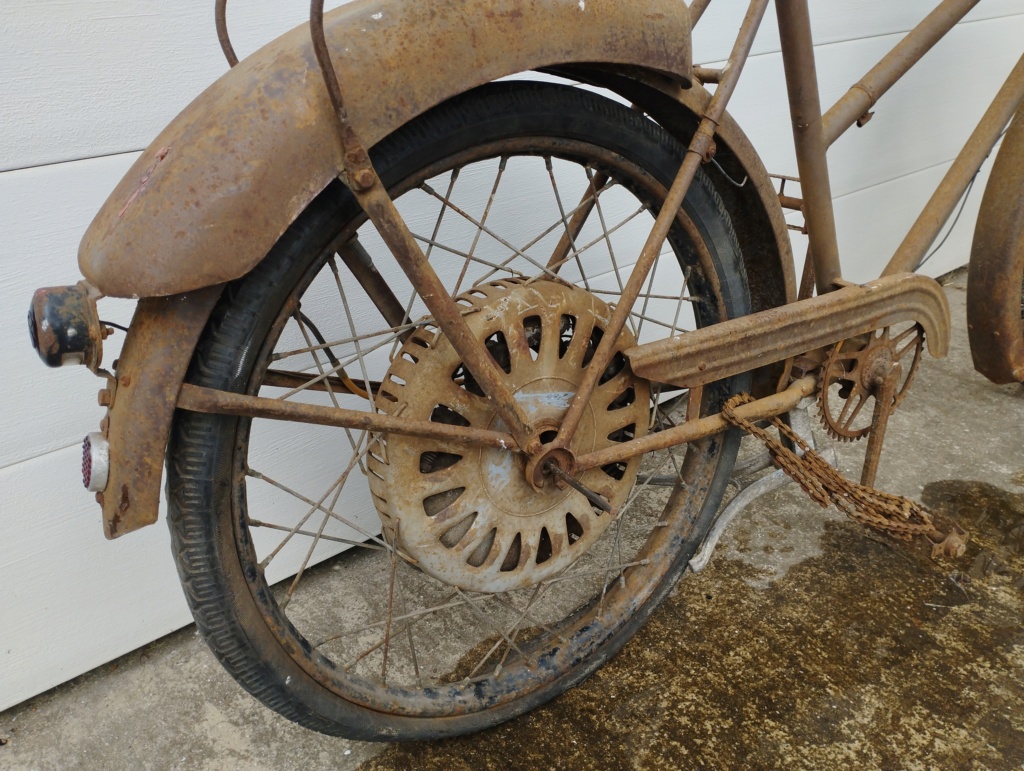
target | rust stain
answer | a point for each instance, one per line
(144, 182)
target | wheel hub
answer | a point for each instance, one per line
(489, 519)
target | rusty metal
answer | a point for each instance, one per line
(359, 174)
(862, 367)
(220, 19)
(854, 106)
(885, 397)
(65, 327)
(474, 518)
(757, 218)
(697, 8)
(210, 400)
(701, 149)
(328, 384)
(809, 140)
(596, 499)
(180, 160)
(701, 428)
(707, 74)
(381, 210)
(203, 205)
(995, 277)
(807, 279)
(150, 369)
(954, 183)
(759, 225)
(892, 514)
(788, 201)
(503, 424)
(711, 353)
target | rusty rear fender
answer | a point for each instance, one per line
(217, 188)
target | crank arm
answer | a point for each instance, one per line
(749, 342)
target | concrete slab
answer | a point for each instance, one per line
(809, 642)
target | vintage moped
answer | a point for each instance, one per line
(436, 442)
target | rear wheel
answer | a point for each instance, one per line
(382, 587)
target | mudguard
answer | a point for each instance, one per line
(217, 188)
(995, 275)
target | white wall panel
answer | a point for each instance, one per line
(869, 238)
(70, 599)
(79, 79)
(922, 121)
(84, 85)
(45, 210)
(832, 21)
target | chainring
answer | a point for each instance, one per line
(851, 374)
(467, 515)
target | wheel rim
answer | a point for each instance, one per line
(524, 637)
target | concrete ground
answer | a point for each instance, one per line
(809, 642)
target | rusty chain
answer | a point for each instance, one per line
(900, 517)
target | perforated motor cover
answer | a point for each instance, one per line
(467, 515)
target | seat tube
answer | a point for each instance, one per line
(809, 140)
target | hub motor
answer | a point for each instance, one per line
(470, 516)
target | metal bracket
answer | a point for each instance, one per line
(800, 420)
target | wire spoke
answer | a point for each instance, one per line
(483, 219)
(311, 534)
(349, 340)
(504, 242)
(488, 623)
(565, 221)
(319, 505)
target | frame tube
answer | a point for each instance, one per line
(934, 215)
(855, 103)
(694, 430)
(701, 150)
(210, 400)
(697, 8)
(809, 140)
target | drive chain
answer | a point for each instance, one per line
(900, 517)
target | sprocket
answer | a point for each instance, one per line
(853, 372)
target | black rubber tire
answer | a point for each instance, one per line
(224, 595)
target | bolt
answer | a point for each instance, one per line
(709, 153)
(363, 179)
